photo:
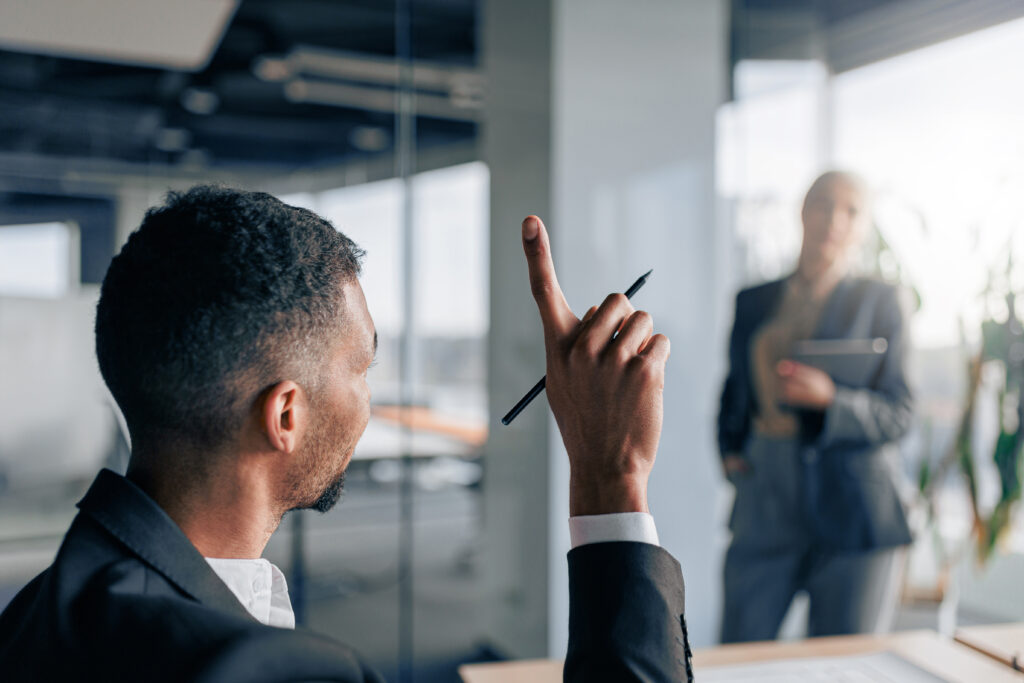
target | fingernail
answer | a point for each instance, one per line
(784, 367)
(531, 228)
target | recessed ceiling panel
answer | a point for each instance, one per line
(174, 34)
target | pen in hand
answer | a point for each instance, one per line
(539, 386)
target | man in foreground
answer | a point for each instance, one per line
(233, 333)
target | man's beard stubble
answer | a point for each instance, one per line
(331, 495)
(321, 444)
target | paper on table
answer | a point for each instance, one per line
(878, 667)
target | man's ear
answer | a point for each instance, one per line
(284, 415)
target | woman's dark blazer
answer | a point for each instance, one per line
(849, 488)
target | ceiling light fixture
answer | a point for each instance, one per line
(200, 101)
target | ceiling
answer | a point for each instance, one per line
(283, 90)
(308, 84)
(846, 34)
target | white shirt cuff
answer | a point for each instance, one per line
(637, 527)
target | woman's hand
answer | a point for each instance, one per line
(804, 386)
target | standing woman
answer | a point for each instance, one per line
(816, 505)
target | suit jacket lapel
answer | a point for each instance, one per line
(139, 523)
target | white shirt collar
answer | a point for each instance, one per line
(259, 586)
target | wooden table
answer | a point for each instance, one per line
(944, 657)
(1002, 642)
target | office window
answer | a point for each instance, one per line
(38, 260)
(769, 148)
(938, 132)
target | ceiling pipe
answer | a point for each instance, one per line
(330, 77)
(302, 90)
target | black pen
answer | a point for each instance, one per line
(539, 386)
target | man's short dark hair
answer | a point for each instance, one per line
(218, 295)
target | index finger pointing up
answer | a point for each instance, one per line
(555, 314)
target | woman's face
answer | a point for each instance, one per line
(835, 218)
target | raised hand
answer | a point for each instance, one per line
(605, 392)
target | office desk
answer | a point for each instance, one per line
(1003, 642)
(952, 661)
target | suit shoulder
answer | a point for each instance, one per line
(262, 653)
(880, 291)
(760, 289)
(23, 598)
(757, 294)
(874, 284)
(14, 616)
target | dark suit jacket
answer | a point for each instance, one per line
(850, 498)
(129, 598)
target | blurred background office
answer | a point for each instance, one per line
(678, 136)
